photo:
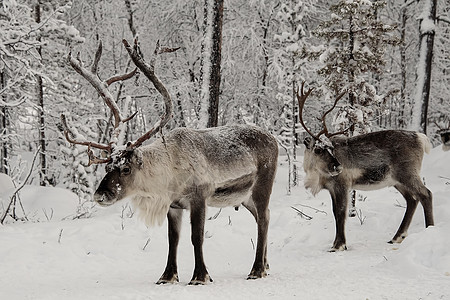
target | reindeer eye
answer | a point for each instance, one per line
(318, 150)
(126, 170)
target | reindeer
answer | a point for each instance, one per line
(444, 132)
(366, 162)
(185, 169)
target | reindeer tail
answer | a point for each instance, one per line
(425, 141)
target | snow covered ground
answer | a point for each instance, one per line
(114, 256)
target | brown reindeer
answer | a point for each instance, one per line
(366, 162)
(185, 169)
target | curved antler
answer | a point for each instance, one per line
(301, 103)
(149, 71)
(102, 89)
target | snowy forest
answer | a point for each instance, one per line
(223, 62)
(391, 56)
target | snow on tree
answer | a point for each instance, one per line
(289, 68)
(423, 85)
(211, 61)
(355, 46)
(54, 35)
(76, 174)
(17, 42)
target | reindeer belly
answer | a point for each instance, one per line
(374, 179)
(232, 192)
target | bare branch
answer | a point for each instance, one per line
(17, 190)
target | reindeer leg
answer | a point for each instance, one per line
(260, 196)
(426, 199)
(252, 209)
(339, 197)
(411, 205)
(170, 274)
(200, 275)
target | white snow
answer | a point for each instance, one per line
(114, 256)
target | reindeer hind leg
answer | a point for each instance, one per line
(260, 197)
(426, 199)
(252, 209)
(411, 205)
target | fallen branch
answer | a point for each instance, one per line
(146, 244)
(302, 214)
(313, 208)
(60, 236)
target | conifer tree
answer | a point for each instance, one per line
(289, 68)
(355, 43)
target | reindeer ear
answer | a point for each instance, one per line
(138, 158)
(309, 142)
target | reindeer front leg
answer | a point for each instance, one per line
(198, 207)
(170, 274)
(339, 197)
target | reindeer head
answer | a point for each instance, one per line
(123, 162)
(120, 176)
(319, 153)
(444, 132)
(322, 154)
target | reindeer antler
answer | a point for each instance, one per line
(301, 103)
(102, 89)
(149, 71)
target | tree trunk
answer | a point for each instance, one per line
(427, 32)
(295, 121)
(403, 65)
(40, 95)
(3, 128)
(211, 59)
(351, 99)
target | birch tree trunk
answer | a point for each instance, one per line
(422, 97)
(211, 59)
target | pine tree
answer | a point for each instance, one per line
(354, 51)
(289, 68)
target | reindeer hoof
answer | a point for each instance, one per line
(256, 274)
(397, 240)
(165, 280)
(338, 248)
(198, 281)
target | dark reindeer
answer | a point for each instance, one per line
(185, 169)
(366, 162)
